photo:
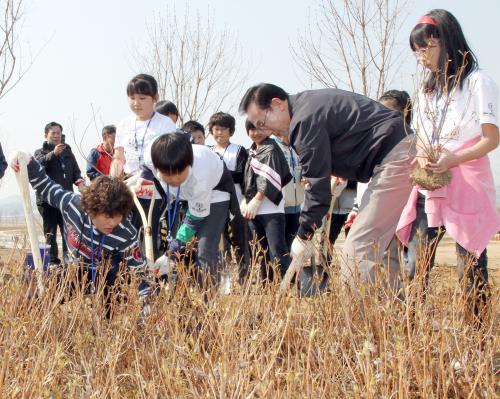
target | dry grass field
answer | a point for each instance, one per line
(250, 344)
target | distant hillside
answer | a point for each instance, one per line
(12, 206)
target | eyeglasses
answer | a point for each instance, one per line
(261, 125)
(424, 50)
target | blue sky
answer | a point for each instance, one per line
(85, 57)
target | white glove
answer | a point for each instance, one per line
(337, 185)
(243, 206)
(301, 248)
(252, 208)
(145, 311)
(24, 157)
(162, 266)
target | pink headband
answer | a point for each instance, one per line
(426, 20)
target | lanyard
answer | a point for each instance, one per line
(143, 137)
(214, 149)
(439, 118)
(225, 149)
(292, 159)
(99, 251)
(170, 217)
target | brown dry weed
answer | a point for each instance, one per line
(250, 344)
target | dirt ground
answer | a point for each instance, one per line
(446, 258)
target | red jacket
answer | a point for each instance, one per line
(98, 162)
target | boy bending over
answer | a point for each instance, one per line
(95, 225)
(197, 175)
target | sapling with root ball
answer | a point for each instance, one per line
(431, 135)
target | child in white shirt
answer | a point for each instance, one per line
(133, 136)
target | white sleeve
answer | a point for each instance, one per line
(485, 94)
(169, 126)
(147, 156)
(119, 138)
(207, 167)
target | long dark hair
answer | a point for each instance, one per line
(456, 60)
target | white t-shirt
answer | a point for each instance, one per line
(135, 136)
(230, 157)
(267, 206)
(475, 104)
(204, 175)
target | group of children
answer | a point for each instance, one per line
(226, 191)
(231, 193)
(222, 191)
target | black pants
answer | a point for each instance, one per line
(269, 230)
(422, 248)
(291, 228)
(235, 237)
(155, 222)
(336, 225)
(52, 218)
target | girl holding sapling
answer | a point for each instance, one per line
(456, 123)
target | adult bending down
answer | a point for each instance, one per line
(344, 134)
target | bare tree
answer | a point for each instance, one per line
(351, 44)
(198, 68)
(11, 70)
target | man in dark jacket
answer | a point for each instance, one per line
(61, 166)
(344, 134)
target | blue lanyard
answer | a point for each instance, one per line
(171, 218)
(143, 137)
(290, 148)
(99, 252)
(293, 159)
(293, 162)
(441, 118)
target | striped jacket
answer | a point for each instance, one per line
(266, 172)
(121, 245)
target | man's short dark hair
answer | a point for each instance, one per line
(108, 129)
(172, 153)
(142, 84)
(193, 126)
(402, 101)
(50, 125)
(107, 195)
(223, 120)
(261, 95)
(166, 108)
